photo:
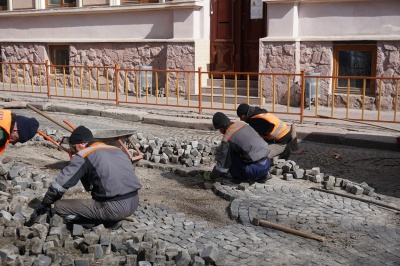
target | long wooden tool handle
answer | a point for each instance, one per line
(290, 230)
(48, 117)
(5, 194)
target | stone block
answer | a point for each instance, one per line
(198, 261)
(10, 231)
(367, 189)
(37, 185)
(329, 185)
(150, 254)
(276, 171)
(98, 252)
(243, 186)
(16, 189)
(40, 230)
(55, 240)
(82, 262)
(287, 176)
(298, 174)
(182, 258)
(77, 230)
(91, 238)
(357, 190)
(24, 233)
(315, 170)
(210, 254)
(338, 182)
(8, 250)
(48, 245)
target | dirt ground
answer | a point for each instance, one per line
(181, 194)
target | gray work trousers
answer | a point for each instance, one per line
(91, 211)
(276, 149)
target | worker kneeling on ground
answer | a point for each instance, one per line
(15, 128)
(273, 130)
(242, 151)
(104, 170)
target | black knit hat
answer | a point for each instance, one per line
(220, 120)
(81, 134)
(242, 109)
(27, 127)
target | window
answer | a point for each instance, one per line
(354, 60)
(3, 4)
(59, 57)
(63, 3)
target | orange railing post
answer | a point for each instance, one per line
(200, 90)
(116, 86)
(302, 94)
(48, 78)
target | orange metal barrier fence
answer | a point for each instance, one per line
(281, 93)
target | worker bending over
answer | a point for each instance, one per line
(242, 151)
(104, 170)
(273, 130)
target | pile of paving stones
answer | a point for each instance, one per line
(51, 241)
(170, 150)
(289, 170)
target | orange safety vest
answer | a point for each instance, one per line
(280, 128)
(5, 123)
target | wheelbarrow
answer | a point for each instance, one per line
(111, 137)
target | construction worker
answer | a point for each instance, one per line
(242, 152)
(104, 170)
(273, 130)
(15, 128)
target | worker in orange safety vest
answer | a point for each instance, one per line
(273, 130)
(15, 128)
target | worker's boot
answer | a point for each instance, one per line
(286, 153)
(113, 225)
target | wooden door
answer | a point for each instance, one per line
(235, 36)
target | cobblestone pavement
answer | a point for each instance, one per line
(357, 233)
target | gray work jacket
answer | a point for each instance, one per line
(104, 170)
(242, 140)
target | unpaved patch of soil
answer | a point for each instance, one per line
(181, 194)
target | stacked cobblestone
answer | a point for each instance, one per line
(51, 241)
(169, 150)
(289, 170)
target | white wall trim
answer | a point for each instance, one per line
(333, 38)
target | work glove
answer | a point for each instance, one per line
(207, 176)
(35, 216)
(41, 209)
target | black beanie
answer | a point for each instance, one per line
(242, 109)
(81, 134)
(27, 127)
(220, 120)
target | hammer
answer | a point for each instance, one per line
(265, 223)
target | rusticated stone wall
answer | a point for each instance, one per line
(99, 61)
(277, 58)
(317, 57)
(388, 66)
